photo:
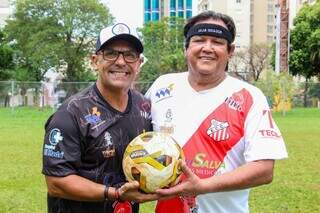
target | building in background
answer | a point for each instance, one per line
(5, 11)
(254, 19)
(286, 12)
(154, 10)
(282, 37)
(294, 7)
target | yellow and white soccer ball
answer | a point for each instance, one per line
(152, 159)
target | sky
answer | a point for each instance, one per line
(127, 11)
(131, 11)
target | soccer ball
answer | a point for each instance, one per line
(152, 159)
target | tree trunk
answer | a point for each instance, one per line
(305, 93)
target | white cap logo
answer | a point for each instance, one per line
(120, 28)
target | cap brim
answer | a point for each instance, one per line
(127, 37)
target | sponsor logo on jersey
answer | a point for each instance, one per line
(164, 93)
(145, 106)
(122, 207)
(218, 130)
(235, 101)
(93, 117)
(204, 166)
(145, 115)
(55, 137)
(145, 109)
(200, 161)
(109, 148)
(53, 154)
(108, 139)
(167, 129)
(269, 133)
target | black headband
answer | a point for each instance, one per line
(210, 29)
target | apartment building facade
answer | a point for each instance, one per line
(254, 19)
(154, 10)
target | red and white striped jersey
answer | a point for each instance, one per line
(219, 130)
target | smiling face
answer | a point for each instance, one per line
(207, 57)
(116, 74)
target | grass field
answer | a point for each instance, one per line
(296, 185)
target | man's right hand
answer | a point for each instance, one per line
(130, 191)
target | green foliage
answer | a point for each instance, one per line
(294, 187)
(305, 45)
(273, 56)
(276, 85)
(56, 34)
(6, 58)
(163, 42)
(314, 90)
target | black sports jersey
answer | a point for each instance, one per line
(87, 137)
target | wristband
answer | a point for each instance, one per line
(106, 193)
(117, 195)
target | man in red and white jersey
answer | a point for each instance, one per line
(224, 125)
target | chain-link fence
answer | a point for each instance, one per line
(283, 95)
(46, 94)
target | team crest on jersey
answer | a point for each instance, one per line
(169, 115)
(167, 125)
(235, 101)
(218, 130)
(164, 92)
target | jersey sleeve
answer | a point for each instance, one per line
(263, 139)
(61, 149)
(148, 95)
(150, 92)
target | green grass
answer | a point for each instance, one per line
(296, 185)
(22, 188)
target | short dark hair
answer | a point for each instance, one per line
(210, 15)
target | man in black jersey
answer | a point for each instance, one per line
(86, 138)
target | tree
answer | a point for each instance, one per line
(163, 42)
(273, 56)
(278, 88)
(236, 66)
(56, 34)
(305, 45)
(253, 60)
(304, 39)
(6, 58)
(314, 91)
